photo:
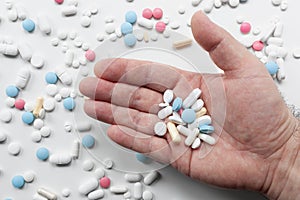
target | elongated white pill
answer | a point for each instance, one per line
(275, 41)
(44, 24)
(176, 119)
(132, 178)
(12, 14)
(191, 98)
(23, 77)
(38, 197)
(165, 112)
(196, 144)
(22, 14)
(69, 10)
(198, 105)
(146, 23)
(47, 194)
(204, 120)
(60, 159)
(118, 189)
(207, 138)
(83, 126)
(88, 186)
(234, 3)
(69, 57)
(25, 51)
(191, 137)
(151, 177)
(278, 30)
(137, 190)
(9, 49)
(184, 131)
(97, 194)
(268, 32)
(196, 2)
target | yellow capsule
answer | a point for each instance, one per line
(174, 133)
(201, 112)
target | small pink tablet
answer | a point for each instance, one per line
(160, 27)
(147, 13)
(105, 182)
(245, 27)
(157, 13)
(258, 46)
(19, 104)
(90, 55)
(59, 1)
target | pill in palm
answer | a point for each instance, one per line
(160, 129)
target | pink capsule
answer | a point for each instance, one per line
(245, 27)
(19, 104)
(258, 46)
(90, 55)
(147, 13)
(59, 1)
(160, 27)
(157, 13)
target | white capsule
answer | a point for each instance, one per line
(88, 186)
(191, 98)
(25, 51)
(268, 32)
(278, 30)
(234, 3)
(133, 178)
(168, 96)
(151, 177)
(198, 105)
(196, 2)
(165, 112)
(191, 137)
(137, 190)
(184, 131)
(69, 57)
(146, 23)
(60, 159)
(160, 129)
(69, 10)
(208, 6)
(23, 77)
(196, 144)
(127, 195)
(83, 126)
(47, 194)
(66, 192)
(163, 105)
(118, 189)
(38, 197)
(207, 138)
(75, 149)
(5, 116)
(12, 14)
(203, 120)
(9, 50)
(97, 194)
(63, 76)
(281, 71)
(44, 24)
(275, 41)
(118, 32)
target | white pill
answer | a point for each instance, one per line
(14, 148)
(60, 159)
(72, 35)
(69, 10)
(151, 177)
(88, 165)
(168, 96)
(10, 102)
(146, 23)
(22, 14)
(181, 10)
(280, 52)
(100, 37)
(36, 136)
(5, 116)
(165, 112)
(276, 2)
(51, 89)
(49, 104)
(275, 41)
(82, 60)
(44, 24)
(207, 138)
(108, 163)
(38, 124)
(75, 64)
(73, 3)
(163, 105)
(63, 76)
(119, 189)
(29, 176)
(127, 195)
(196, 144)
(137, 190)
(281, 71)
(234, 3)
(45, 131)
(12, 14)
(176, 119)
(175, 25)
(58, 97)
(47, 194)
(133, 178)
(160, 128)
(196, 2)
(113, 37)
(191, 137)
(198, 105)
(69, 57)
(191, 98)
(3, 136)
(218, 3)
(23, 77)
(83, 126)
(208, 6)
(9, 4)
(166, 20)
(139, 34)
(296, 53)
(9, 49)
(110, 28)
(66, 192)
(86, 13)
(68, 126)
(38, 197)
(54, 41)
(75, 149)
(184, 131)
(256, 30)
(259, 54)
(268, 32)
(284, 5)
(88, 186)
(203, 120)
(29, 106)
(147, 195)
(118, 32)
(73, 94)
(25, 51)
(99, 173)
(65, 92)
(278, 30)
(97, 194)
(109, 19)
(85, 21)
(37, 61)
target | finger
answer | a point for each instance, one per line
(155, 147)
(121, 94)
(155, 76)
(112, 114)
(224, 50)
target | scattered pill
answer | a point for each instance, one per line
(165, 112)
(160, 27)
(45, 131)
(68, 11)
(97, 194)
(83, 126)
(151, 177)
(113, 37)
(207, 129)
(51, 89)
(10, 102)
(85, 21)
(18, 181)
(207, 138)
(196, 2)
(28, 118)
(69, 103)
(60, 159)
(90, 55)
(196, 144)
(37, 61)
(130, 17)
(137, 190)
(203, 120)
(272, 67)
(147, 13)
(47, 194)
(3, 136)
(208, 6)
(175, 25)
(54, 42)
(182, 43)
(44, 24)
(38, 124)
(127, 195)
(19, 104)
(191, 137)
(119, 189)
(49, 104)
(65, 92)
(29, 176)
(12, 91)
(88, 165)
(146, 23)
(160, 129)
(245, 27)
(12, 14)
(88, 141)
(108, 164)
(36, 136)
(177, 104)
(25, 51)
(126, 28)
(59, 1)
(63, 76)
(176, 119)
(28, 25)
(133, 178)
(198, 105)
(100, 173)
(258, 46)
(130, 40)
(110, 28)
(188, 116)
(51, 78)
(14, 148)
(38, 106)
(105, 182)
(66, 192)
(296, 53)
(42, 153)
(75, 149)
(68, 126)
(142, 158)
(157, 13)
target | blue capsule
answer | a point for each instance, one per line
(207, 129)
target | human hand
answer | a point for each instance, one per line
(256, 132)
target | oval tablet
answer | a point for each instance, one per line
(165, 112)
(88, 186)
(168, 96)
(132, 178)
(151, 177)
(208, 139)
(191, 98)
(97, 194)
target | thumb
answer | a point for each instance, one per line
(225, 51)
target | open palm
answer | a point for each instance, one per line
(251, 121)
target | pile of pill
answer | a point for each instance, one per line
(188, 117)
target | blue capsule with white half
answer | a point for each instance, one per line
(207, 129)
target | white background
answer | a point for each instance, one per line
(172, 185)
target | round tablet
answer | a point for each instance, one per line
(12, 91)
(88, 141)
(147, 13)
(45, 131)
(130, 40)
(69, 103)
(51, 78)
(160, 27)
(42, 153)
(37, 61)
(108, 164)
(5, 116)
(10, 102)
(131, 17)
(36, 136)
(3, 136)
(168, 96)
(272, 67)
(245, 27)
(65, 92)
(14, 148)
(28, 25)
(105, 182)
(29, 106)
(38, 124)
(19, 104)
(87, 165)
(29, 176)
(51, 89)
(258, 46)
(157, 13)
(28, 118)
(100, 173)
(126, 28)
(49, 104)
(59, 1)
(147, 195)
(66, 192)
(85, 21)
(188, 116)
(18, 181)
(90, 55)
(160, 128)
(177, 104)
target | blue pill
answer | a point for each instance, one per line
(12, 91)
(51, 78)
(42, 153)
(188, 116)
(207, 129)
(177, 104)
(28, 118)
(131, 17)
(18, 182)
(28, 25)
(130, 40)
(272, 67)
(243, 1)
(126, 28)
(69, 103)
(142, 158)
(88, 141)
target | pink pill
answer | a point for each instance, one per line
(180, 111)
(245, 27)
(147, 13)
(90, 55)
(258, 46)
(157, 13)
(105, 182)
(19, 104)
(59, 1)
(160, 27)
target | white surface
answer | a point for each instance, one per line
(172, 185)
